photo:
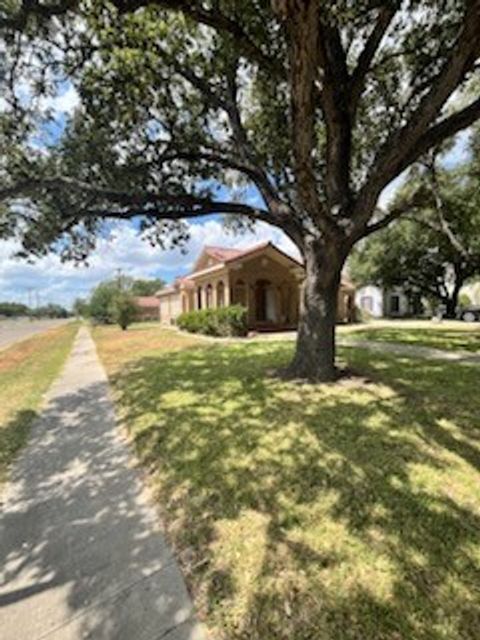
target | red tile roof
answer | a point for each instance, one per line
(147, 302)
(258, 247)
(222, 253)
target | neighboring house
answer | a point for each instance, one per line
(262, 278)
(148, 307)
(473, 292)
(380, 303)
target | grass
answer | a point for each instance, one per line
(319, 512)
(434, 336)
(26, 371)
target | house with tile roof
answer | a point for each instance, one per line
(147, 307)
(262, 278)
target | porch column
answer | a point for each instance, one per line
(214, 294)
(249, 302)
(226, 294)
(204, 297)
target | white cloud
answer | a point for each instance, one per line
(50, 280)
(64, 102)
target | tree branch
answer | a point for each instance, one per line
(444, 129)
(33, 7)
(395, 212)
(189, 205)
(405, 144)
(217, 20)
(303, 24)
(335, 99)
(365, 59)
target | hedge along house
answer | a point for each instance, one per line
(262, 278)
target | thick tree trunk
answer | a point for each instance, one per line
(315, 350)
(451, 303)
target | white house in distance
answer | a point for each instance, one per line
(381, 303)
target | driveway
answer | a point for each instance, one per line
(21, 328)
(81, 553)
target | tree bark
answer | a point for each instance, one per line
(315, 349)
(451, 303)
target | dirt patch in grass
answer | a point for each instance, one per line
(311, 511)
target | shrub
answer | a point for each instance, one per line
(464, 300)
(123, 309)
(225, 321)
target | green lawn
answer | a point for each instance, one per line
(300, 511)
(434, 336)
(26, 371)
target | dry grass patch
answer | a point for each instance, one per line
(120, 347)
(313, 511)
(26, 371)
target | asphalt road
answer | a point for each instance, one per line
(21, 328)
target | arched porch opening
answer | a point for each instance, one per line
(209, 296)
(240, 293)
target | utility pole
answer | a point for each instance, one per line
(119, 278)
(29, 296)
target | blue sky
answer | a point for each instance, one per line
(48, 280)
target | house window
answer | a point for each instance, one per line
(394, 303)
(209, 296)
(367, 303)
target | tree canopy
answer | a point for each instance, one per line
(143, 287)
(435, 248)
(298, 114)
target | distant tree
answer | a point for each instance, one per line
(188, 106)
(146, 287)
(100, 302)
(435, 249)
(50, 311)
(123, 309)
(13, 309)
(464, 300)
(80, 307)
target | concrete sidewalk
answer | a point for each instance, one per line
(416, 351)
(81, 555)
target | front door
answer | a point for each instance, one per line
(261, 301)
(270, 306)
(265, 304)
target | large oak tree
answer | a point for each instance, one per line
(317, 105)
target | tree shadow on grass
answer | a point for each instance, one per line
(360, 536)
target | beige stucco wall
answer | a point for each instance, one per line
(262, 277)
(170, 307)
(282, 289)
